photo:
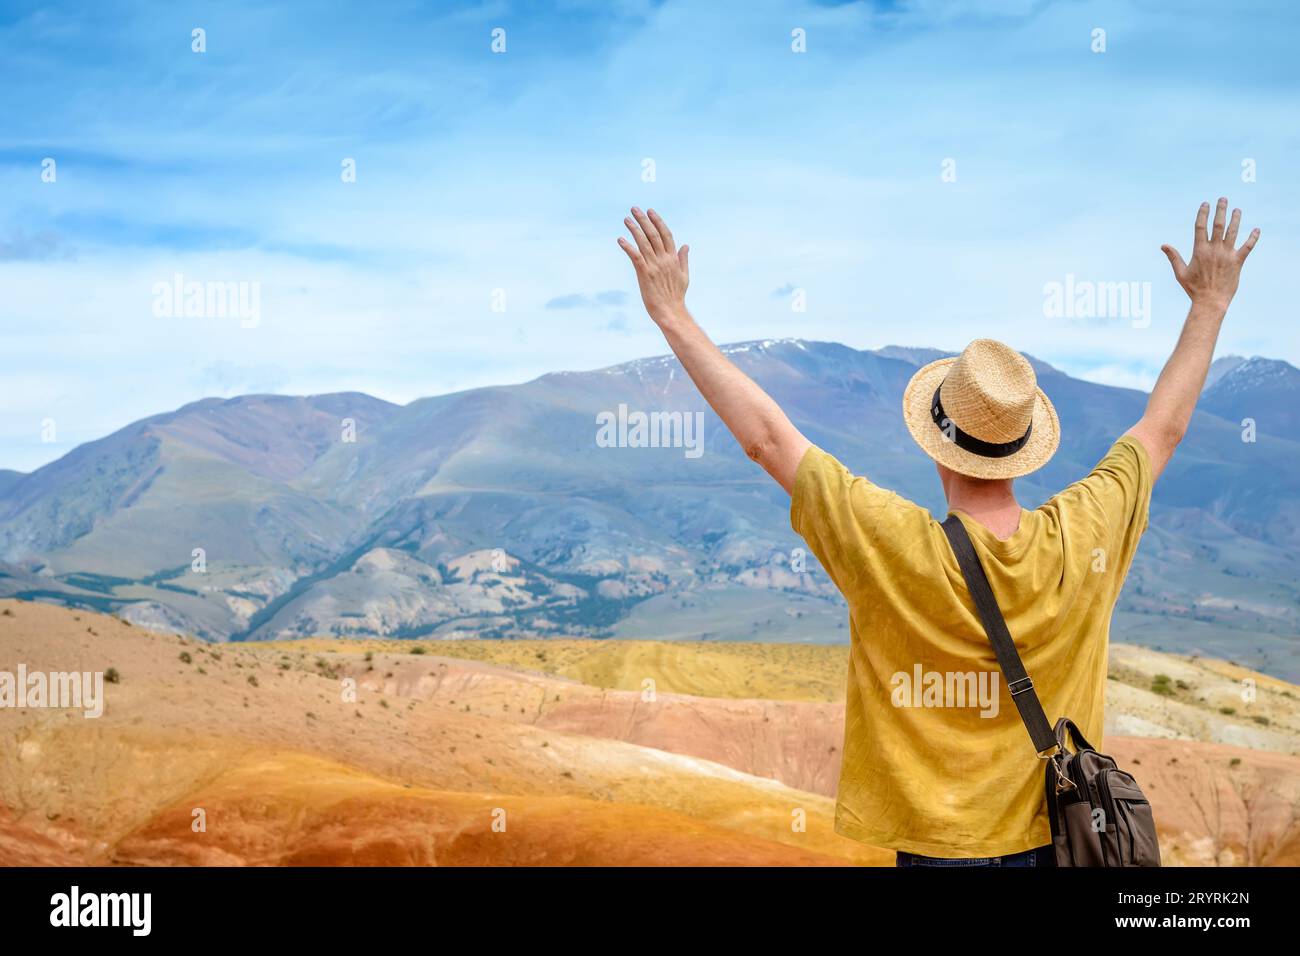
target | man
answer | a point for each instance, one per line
(936, 779)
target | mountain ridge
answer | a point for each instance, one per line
(266, 516)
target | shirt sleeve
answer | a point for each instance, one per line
(847, 521)
(1115, 497)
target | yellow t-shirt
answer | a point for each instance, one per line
(935, 758)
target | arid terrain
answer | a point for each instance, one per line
(569, 752)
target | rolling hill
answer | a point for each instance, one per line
(577, 753)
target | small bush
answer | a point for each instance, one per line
(418, 649)
(252, 679)
(112, 676)
(185, 657)
(1228, 711)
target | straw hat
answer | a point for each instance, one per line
(982, 413)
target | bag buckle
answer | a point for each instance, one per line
(1063, 783)
(1028, 682)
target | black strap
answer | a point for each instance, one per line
(1013, 670)
(967, 441)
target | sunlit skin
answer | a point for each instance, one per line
(771, 439)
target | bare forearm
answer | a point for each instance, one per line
(663, 272)
(1179, 386)
(764, 431)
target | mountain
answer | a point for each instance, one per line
(498, 512)
(1265, 391)
(1219, 368)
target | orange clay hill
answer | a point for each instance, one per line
(573, 753)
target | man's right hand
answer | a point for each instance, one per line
(662, 270)
(1211, 281)
(1211, 277)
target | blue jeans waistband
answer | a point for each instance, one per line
(1040, 856)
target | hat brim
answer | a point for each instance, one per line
(1044, 436)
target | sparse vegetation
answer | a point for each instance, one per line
(1160, 684)
(709, 670)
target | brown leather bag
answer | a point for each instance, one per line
(1098, 813)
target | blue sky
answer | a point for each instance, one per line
(486, 177)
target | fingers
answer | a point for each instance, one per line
(648, 227)
(632, 254)
(683, 256)
(1230, 237)
(642, 242)
(664, 232)
(1202, 217)
(1220, 215)
(1249, 244)
(1175, 260)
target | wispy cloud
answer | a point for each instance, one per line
(486, 184)
(37, 247)
(229, 378)
(579, 300)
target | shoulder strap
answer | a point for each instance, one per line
(1013, 670)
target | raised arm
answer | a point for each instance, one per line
(1210, 280)
(758, 423)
